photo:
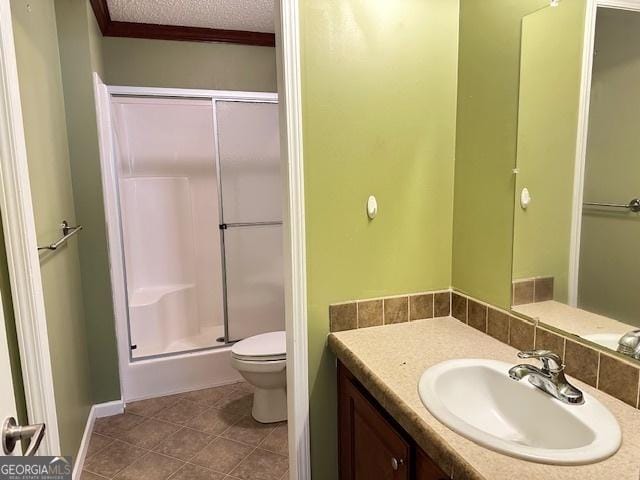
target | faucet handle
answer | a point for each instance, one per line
(629, 344)
(550, 361)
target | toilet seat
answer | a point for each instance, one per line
(265, 359)
(267, 347)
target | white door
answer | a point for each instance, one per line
(7, 398)
(24, 270)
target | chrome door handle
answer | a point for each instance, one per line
(12, 432)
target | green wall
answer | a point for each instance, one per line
(379, 101)
(163, 63)
(48, 156)
(488, 82)
(550, 75)
(608, 272)
(80, 51)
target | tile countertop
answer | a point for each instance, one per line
(389, 361)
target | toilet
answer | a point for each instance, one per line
(262, 361)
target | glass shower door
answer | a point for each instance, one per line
(251, 200)
(168, 208)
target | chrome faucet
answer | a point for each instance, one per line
(550, 378)
(629, 344)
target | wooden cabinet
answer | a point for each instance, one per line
(425, 468)
(372, 446)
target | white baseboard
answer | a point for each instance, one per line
(99, 410)
(108, 409)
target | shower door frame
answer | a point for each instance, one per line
(271, 98)
(104, 95)
(214, 96)
(591, 10)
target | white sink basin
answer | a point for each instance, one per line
(477, 399)
(608, 340)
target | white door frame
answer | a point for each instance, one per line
(22, 251)
(289, 90)
(583, 132)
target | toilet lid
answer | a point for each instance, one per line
(267, 346)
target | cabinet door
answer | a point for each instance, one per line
(370, 447)
(426, 469)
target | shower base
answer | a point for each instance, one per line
(207, 338)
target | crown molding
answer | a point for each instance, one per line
(111, 28)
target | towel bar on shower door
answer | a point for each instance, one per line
(67, 233)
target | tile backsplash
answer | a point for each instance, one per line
(388, 310)
(593, 366)
(532, 290)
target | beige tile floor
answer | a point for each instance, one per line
(202, 435)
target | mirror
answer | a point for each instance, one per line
(576, 225)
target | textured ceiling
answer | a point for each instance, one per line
(249, 15)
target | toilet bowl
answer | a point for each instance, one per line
(262, 361)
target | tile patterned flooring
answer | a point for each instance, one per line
(201, 435)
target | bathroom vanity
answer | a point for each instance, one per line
(386, 431)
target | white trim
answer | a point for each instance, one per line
(114, 245)
(22, 254)
(581, 149)
(583, 132)
(192, 93)
(81, 456)
(97, 411)
(108, 409)
(289, 86)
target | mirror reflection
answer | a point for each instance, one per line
(577, 217)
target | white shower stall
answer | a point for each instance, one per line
(193, 197)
